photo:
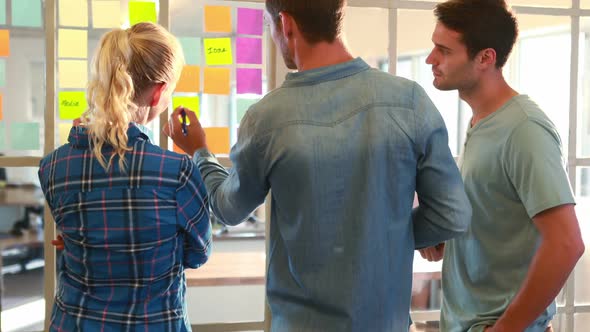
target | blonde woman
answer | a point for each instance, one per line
(132, 215)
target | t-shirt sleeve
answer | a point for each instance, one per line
(534, 162)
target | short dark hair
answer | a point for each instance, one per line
(483, 24)
(318, 20)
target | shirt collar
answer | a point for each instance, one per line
(79, 135)
(328, 73)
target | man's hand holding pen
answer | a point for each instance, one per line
(190, 136)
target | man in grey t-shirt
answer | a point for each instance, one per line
(524, 238)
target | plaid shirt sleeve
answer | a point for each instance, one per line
(193, 215)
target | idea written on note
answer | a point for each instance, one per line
(218, 51)
(72, 104)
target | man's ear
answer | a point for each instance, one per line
(487, 57)
(288, 24)
(157, 93)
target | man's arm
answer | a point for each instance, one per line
(444, 210)
(561, 247)
(233, 195)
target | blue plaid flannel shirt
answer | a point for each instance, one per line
(128, 236)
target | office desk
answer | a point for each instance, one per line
(21, 196)
(248, 268)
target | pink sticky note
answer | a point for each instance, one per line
(249, 50)
(250, 21)
(249, 80)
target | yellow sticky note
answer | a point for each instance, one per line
(218, 19)
(218, 139)
(190, 102)
(106, 14)
(73, 73)
(64, 132)
(4, 43)
(71, 104)
(217, 81)
(218, 51)
(140, 11)
(72, 43)
(189, 79)
(73, 13)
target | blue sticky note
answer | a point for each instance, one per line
(2, 72)
(24, 136)
(2, 12)
(2, 136)
(242, 106)
(27, 13)
(191, 46)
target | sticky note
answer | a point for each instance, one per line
(4, 43)
(1, 107)
(218, 139)
(106, 14)
(177, 149)
(250, 21)
(64, 132)
(190, 102)
(218, 51)
(142, 12)
(72, 43)
(242, 106)
(2, 12)
(217, 19)
(73, 13)
(191, 46)
(190, 80)
(249, 80)
(71, 104)
(249, 50)
(24, 136)
(217, 81)
(2, 72)
(26, 13)
(73, 73)
(2, 136)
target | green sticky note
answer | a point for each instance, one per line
(2, 12)
(190, 102)
(242, 105)
(218, 51)
(27, 13)
(24, 136)
(71, 104)
(142, 12)
(191, 46)
(2, 136)
(2, 72)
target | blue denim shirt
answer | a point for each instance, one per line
(343, 148)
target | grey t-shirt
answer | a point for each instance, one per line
(513, 168)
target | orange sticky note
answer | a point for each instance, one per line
(4, 43)
(218, 139)
(189, 80)
(218, 19)
(176, 149)
(217, 81)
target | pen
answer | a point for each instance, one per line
(183, 115)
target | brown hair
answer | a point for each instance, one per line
(483, 24)
(318, 20)
(125, 64)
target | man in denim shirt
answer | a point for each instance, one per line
(343, 147)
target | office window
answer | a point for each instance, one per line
(583, 211)
(373, 50)
(22, 79)
(583, 146)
